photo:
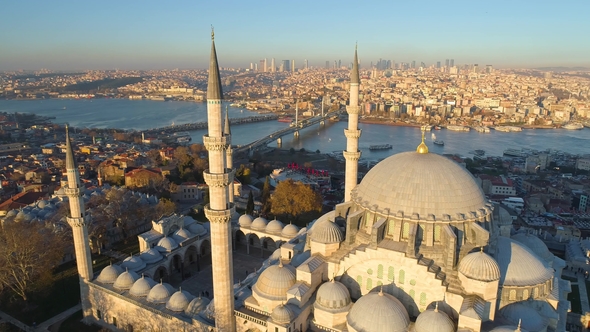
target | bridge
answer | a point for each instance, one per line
(203, 125)
(293, 129)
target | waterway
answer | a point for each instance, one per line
(141, 115)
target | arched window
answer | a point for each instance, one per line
(437, 233)
(369, 284)
(536, 292)
(380, 271)
(412, 294)
(391, 274)
(512, 296)
(422, 299)
(402, 276)
(406, 232)
(525, 294)
(359, 280)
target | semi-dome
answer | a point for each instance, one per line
(332, 295)
(504, 216)
(167, 244)
(479, 266)
(150, 256)
(290, 231)
(125, 280)
(274, 226)
(245, 220)
(142, 286)
(197, 305)
(326, 232)
(282, 314)
(433, 320)
(179, 301)
(133, 263)
(275, 281)
(519, 266)
(420, 184)
(160, 293)
(259, 223)
(197, 229)
(182, 235)
(109, 274)
(378, 312)
(527, 317)
(535, 244)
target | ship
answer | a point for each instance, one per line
(182, 137)
(482, 129)
(457, 128)
(437, 141)
(573, 126)
(514, 153)
(508, 129)
(380, 147)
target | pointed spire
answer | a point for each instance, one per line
(70, 162)
(354, 73)
(518, 327)
(214, 85)
(226, 130)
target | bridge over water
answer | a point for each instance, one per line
(293, 129)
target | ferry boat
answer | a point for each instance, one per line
(437, 141)
(380, 147)
(482, 129)
(508, 129)
(573, 126)
(182, 137)
(458, 128)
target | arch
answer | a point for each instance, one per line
(190, 255)
(391, 274)
(380, 271)
(240, 237)
(406, 230)
(253, 240)
(176, 263)
(269, 244)
(512, 295)
(536, 292)
(402, 276)
(422, 299)
(369, 284)
(161, 273)
(205, 248)
(525, 294)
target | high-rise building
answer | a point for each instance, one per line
(262, 66)
(273, 68)
(339, 64)
(327, 64)
(438, 64)
(305, 64)
(286, 65)
(413, 63)
(447, 63)
(292, 66)
(452, 62)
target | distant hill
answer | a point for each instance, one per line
(561, 69)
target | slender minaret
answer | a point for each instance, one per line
(219, 211)
(78, 222)
(229, 153)
(352, 153)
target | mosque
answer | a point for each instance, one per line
(415, 246)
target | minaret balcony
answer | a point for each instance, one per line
(353, 109)
(219, 180)
(351, 156)
(216, 143)
(219, 216)
(352, 133)
(76, 192)
(76, 222)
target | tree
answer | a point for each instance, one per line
(266, 196)
(292, 199)
(250, 204)
(25, 262)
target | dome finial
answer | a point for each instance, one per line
(212, 32)
(518, 327)
(422, 148)
(481, 249)
(381, 291)
(436, 307)
(280, 262)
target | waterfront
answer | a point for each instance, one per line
(140, 115)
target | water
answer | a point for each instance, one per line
(139, 115)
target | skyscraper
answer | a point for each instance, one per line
(273, 68)
(438, 64)
(292, 66)
(327, 64)
(447, 63)
(452, 63)
(413, 63)
(262, 66)
(286, 66)
(306, 64)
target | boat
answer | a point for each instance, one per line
(478, 152)
(380, 147)
(514, 153)
(573, 126)
(182, 137)
(481, 129)
(286, 119)
(437, 141)
(508, 129)
(436, 127)
(458, 128)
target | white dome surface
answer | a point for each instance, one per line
(282, 314)
(197, 229)
(519, 266)
(109, 274)
(150, 256)
(378, 312)
(259, 223)
(326, 232)
(274, 226)
(507, 328)
(179, 301)
(535, 244)
(333, 295)
(181, 235)
(133, 263)
(167, 244)
(142, 287)
(433, 320)
(422, 184)
(275, 281)
(197, 305)
(479, 266)
(245, 220)
(126, 280)
(160, 293)
(290, 230)
(528, 317)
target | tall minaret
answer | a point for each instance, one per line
(219, 210)
(78, 222)
(229, 152)
(352, 153)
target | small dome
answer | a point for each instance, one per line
(506, 328)
(326, 232)
(179, 301)
(182, 235)
(479, 266)
(197, 305)
(42, 203)
(133, 263)
(378, 312)
(528, 317)
(519, 266)
(282, 314)
(167, 244)
(259, 223)
(197, 229)
(109, 274)
(160, 293)
(274, 226)
(11, 213)
(150, 256)
(275, 281)
(432, 320)
(125, 280)
(290, 231)
(142, 287)
(535, 244)
(332, 295)
(245, 220)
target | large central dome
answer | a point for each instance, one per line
(420, 183)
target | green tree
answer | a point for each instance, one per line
(266, 196)
(291, 199)
(250, 204)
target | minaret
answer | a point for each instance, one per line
(352, 153)
(78, 222)
(219, 210)
(229, 153)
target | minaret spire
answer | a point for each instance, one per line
(218, 177)
(226, 129)
(352, 153)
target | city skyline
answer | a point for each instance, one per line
(68, 35)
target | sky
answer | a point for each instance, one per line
(133, 34)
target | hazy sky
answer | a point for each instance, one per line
(133, 34)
